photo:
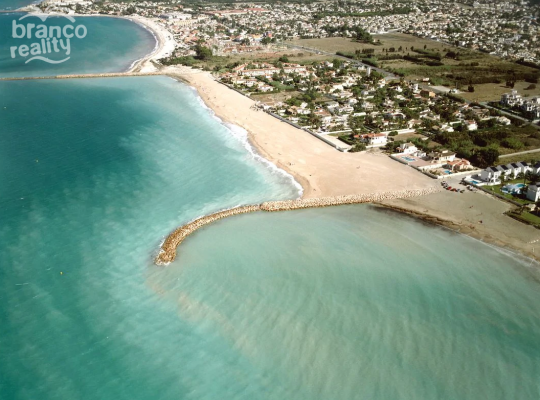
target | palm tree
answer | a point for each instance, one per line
(533, 178)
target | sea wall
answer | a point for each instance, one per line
(167, 253)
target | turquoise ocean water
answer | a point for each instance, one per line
(110, 45)
(340, 303)
(14, 4)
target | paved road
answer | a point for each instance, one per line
(519, 153)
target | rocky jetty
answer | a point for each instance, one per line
(168, 248)
(167, 253)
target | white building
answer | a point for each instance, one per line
(490, 174)
(443, 155)
(407, 148)
(375, 139)
(533, 192)
(511, 99)
(493, 174)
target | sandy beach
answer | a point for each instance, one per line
(325, 172)
(164, 48)
(165, 43)
(474, 214)
(321, 170)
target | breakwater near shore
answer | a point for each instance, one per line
(82, 76)
(168, 249)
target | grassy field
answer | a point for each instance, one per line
(396, 40)
(273, 97)
(530, 158)
(526, 217)
(493, 91)
(295, 56)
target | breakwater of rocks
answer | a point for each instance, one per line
(167, 252)
(83, 76)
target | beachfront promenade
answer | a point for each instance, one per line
(167, 253)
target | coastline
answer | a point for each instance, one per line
(324, 172)
(328, 173)
(165, 42)
(168, 248)
(476, 215)
(320, 169)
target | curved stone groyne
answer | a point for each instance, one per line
(167, 253)
(168, 248)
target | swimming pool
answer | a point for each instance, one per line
(513, 188)
(408, 159)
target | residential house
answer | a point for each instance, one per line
(407, 148)
(533, 192)
(511, 99)
(374, 139)
(494, 174)
(427, 93)
(458, 165)
(471, 125)
(442, 156)
(490, 174)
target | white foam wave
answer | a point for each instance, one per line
(241, 135)
(154, 50)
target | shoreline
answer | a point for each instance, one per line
(323, 171)
(462, 229)
(255, 147)
(168, 248)
(476, 215)
(316, 166)
(165, 42)
(442, 209)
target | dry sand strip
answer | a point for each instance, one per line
(319, 168)
(167, 253)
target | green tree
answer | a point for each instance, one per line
(203, 52)
(485, 157)
(358, 147)
(130, 10)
